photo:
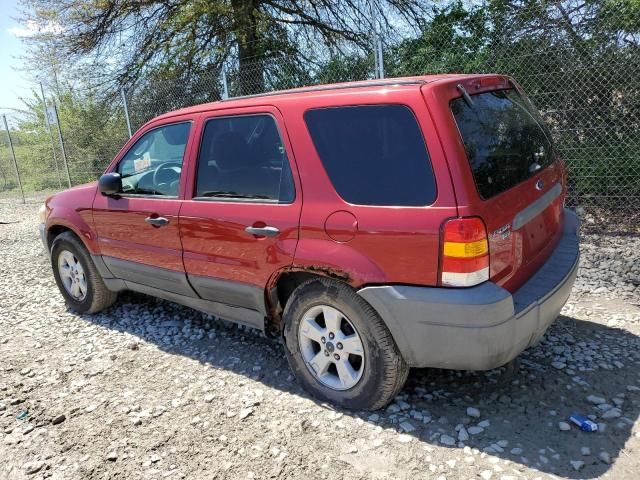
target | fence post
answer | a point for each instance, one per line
(225, 87)
(126, 111)
(53, 146)
(377, 41)
(376, 66)
(380, 57)
(13, 154)
(64, 153)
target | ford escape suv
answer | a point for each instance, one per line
(375, 226)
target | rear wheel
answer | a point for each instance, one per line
(339, 348)
(77, 277)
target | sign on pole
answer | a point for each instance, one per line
(52, 116)
(48, 125)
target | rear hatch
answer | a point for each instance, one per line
(517, 182)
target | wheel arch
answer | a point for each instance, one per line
(57, 229)
(282, 285)
(64, 219)
(318, 258)
(54, 231)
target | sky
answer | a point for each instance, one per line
(13, 83)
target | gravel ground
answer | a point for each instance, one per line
(149, 389)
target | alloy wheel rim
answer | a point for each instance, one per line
(331, 347)
(72, 275)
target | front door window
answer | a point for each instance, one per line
(154, 163)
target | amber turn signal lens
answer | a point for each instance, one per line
(465, 253)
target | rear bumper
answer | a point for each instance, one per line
(481, 327)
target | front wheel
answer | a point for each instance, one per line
(339, 348)
(77, 277)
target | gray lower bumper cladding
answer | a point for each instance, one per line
(481, 327)
(43, 237)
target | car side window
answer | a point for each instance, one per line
(243, 158)
(374, 154)
(154, 164)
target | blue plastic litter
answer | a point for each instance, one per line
(584, 423)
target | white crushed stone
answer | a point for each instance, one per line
(155, 390)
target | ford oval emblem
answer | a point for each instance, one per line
(540, 184)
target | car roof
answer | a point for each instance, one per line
(273, 98)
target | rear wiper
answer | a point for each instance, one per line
(465, 95)
(223, 194)
(534, 167)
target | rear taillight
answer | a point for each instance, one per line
(465, 253)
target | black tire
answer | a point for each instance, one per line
(385, 371)
(98, 296)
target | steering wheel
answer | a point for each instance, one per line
(168, 168)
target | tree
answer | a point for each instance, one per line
(579, 60)
(137, 37)
(453, 40)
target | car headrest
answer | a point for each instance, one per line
(231, 151)
(176, 134)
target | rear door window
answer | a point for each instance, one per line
(243, 158)
(505, 139)
(373, 154)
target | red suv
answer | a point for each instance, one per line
(376, 226)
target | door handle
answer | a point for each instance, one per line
(263, 231)
(157, 221)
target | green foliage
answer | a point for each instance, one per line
(621, 15)
(345, 69)
(93, 131)
(453, 41)
(580, 64)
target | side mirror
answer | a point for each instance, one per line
(110, 184)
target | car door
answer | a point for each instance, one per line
(138, 231)
(239, 221)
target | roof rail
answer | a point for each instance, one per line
(338, 86)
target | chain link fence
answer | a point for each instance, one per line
(580, 66)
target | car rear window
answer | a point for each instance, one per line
(374, 155)
(505, 139)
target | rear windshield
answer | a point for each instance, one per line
(374, 154)
(504, 137)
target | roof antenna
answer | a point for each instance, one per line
(465, 95)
